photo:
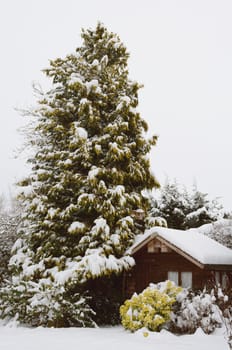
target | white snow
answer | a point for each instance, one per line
(114, 338)
(83, 101)
(85, 196)
(197, 213)
(115, 239)
(17, 245)
(117, 45)
(61, 277)
(96, 264)
(223, 226)
(113, 146)
(95, 63)
(192, 242)
(76, 226)
(98, 148)
(100, 226)
(93, 173)
(133, 110)
(26, 190)
(68, 162)
(51, 213)
(92, 84)
(75, 78)
(105, 60)
(119, 191)
(81, 133)
(126, 99)
(70, 271)
(31, 269)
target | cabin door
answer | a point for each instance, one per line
(147, 273)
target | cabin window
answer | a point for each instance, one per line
(217, 277)
(186, 279)
(151, 247)
(224, 280)
(157, 247)
(221, 278)
(164, 249)
(154, 247)
(174, 277)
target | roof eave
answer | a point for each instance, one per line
(143, 243)
(219, 267)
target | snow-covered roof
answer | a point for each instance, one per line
(191, 242)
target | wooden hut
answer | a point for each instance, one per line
(188, 258)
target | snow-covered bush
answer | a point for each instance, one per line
(40, 304)
(151, 308)
(220, 231)
(195, 310)
(9, 222)
(223, 298)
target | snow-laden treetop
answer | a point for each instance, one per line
(89, 168)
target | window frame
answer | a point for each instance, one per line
(179, 278)
(191, 278)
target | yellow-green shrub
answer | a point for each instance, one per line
(151, 308)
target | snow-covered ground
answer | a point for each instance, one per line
(114, 338)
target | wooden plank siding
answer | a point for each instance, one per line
(154, 267)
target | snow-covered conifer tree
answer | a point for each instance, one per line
(172, 204)
(183, 209)
(203, 210)
(89, 168)
(9, 221)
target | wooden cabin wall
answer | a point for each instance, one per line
(154, 267)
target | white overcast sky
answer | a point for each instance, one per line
(181, 50)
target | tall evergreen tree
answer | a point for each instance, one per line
(88, 172)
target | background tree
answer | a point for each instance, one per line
(9, 222)
(172, 204)
(183, 209)
(203, 210)
(220, 231)
(89, 168)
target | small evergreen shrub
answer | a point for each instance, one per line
(45, 305)
(223, 299)
(195, 310)
(151, 308)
